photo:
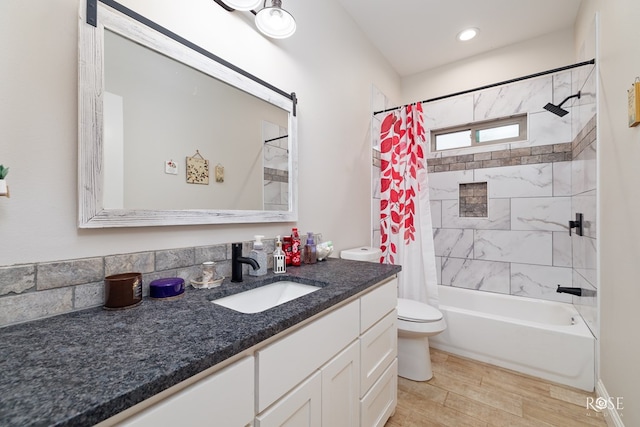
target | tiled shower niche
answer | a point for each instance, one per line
(473, 200)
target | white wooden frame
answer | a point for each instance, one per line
(91, 211)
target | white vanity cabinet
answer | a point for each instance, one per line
(337, 370)
(359, 381)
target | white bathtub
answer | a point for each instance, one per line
(544, 339)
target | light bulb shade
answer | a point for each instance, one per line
(275, 22)
(243, 4)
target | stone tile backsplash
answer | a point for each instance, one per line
(17, 279)
(67, 273)
(33, 291)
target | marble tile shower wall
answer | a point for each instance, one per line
(34, 291)
(534, 187)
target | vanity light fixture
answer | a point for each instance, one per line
(275, 22)
(272, 21)
(468, 34)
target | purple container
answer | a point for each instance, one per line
(166, 288)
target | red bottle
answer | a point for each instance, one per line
(286, 247)
(295, 247)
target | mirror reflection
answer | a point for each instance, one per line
(159, 113)
(275, 142)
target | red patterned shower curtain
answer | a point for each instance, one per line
(405, 216)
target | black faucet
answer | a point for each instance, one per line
(237, 260)
(579, 292)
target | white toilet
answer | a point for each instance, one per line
(417, 322)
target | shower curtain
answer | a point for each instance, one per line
(406, 232)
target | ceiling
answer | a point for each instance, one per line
(418, 35)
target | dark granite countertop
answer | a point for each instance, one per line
(81, 368)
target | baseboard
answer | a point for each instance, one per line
(612, 417)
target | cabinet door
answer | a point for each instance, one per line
(299, 408)
(225, 398)
(378, 348)
(340, 386)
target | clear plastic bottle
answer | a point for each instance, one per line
(260, 256)
(310, 256)
(279, 259)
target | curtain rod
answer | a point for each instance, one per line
(276, 138)
(517, 79)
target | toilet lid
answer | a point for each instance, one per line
(417, 311)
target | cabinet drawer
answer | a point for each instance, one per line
(377, 303)
(225, 398)
(378, 348)
(285, 363)
(377, 406)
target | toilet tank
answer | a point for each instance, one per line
(363, 253)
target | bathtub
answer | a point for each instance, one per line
(544, 339)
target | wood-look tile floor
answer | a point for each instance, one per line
(465, 392)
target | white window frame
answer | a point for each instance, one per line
(520, 120)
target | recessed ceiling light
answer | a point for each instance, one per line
(467, 34)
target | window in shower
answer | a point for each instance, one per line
(507, 129)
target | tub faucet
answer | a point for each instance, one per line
(579, 292)
(237, 260)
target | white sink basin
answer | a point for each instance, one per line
(265, 297)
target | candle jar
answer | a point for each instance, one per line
(208, 271)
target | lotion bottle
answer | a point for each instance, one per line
(310, 256)
(279, 259)
(260, 256)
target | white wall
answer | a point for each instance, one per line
(517, 60)
(330, 70)
(619, 230)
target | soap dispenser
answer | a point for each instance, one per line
(279, 260)
(260, 256)
(310, 256)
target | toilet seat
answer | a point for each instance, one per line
(416, 311)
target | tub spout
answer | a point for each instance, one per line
(579, 292)
(573, 291)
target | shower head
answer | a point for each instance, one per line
(557, 109)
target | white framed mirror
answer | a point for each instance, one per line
(171, 135)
